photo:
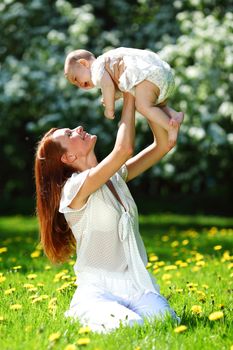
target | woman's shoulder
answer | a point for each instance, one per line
(71, 188)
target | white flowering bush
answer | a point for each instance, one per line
(195, 37)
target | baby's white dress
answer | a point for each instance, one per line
(140, 65)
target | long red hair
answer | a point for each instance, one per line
(50, 175)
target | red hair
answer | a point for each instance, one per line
(50, 175)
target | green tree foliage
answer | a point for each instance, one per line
(194, 36)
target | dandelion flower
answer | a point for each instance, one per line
(2, 318)
(216, 315)
(218, 247)
(185, 242)
(9, 291)
(83, 330)
(47, 267)
(166, 276)
(153, 258)
(2, 278)
(28, 285)
(170, 267)
(196, 309)
(35, 254)
(180, 329)
(175, 244)
(3, 250)
(54, 336)
(83, 341)
(16, 307)
(17, 267)
(70, 347)
(31, 276)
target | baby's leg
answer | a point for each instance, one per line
(146, 95)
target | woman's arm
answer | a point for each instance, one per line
(122, 151)
(151, 154)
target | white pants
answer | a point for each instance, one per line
(104, 309)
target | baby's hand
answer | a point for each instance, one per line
(109, 113)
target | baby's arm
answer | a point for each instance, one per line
(108, 92)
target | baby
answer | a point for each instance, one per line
(145, 76)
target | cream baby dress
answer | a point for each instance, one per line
(139, 65)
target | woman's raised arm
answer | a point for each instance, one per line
(123, 149)
(151, 154)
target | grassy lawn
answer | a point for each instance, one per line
(189, 255)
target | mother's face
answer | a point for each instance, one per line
(77, 142)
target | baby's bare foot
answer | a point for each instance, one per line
(178, 116)
(173, 131)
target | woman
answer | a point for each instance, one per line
(88, 203)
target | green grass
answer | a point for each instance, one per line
(183, 259)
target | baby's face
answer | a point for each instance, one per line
(81, 77)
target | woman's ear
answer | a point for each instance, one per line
(68, 158)
(84, 62)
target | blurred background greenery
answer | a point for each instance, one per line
(194, 36)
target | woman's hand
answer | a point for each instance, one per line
(116, 72)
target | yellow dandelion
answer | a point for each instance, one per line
(175, 244)
(70, 347)
(185, 242)
(2, 278)
(31, 276)
(54, 336)
(166, 276)
(47, 267)
(200, 263)
(40, 284)
(179, 290)
(170, 267)
(17, 267)
(71, 262)
(196, 309)
(183, 264)
(16, 307)
(149, 264)
(83, 330)
(9, 291)
(3, 250)
(221, 306)
(165, 238)
(83, 341)
(65, 277)
(213, 231)
(2, 318)
(218, 247)
(216, 315)
(160, 263)
(35, 254)
(137, 348)
(230, 266)
(28, 285)
(195, 268)
(153, 258)
(180, 329)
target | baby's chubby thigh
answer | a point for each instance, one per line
(146, 95)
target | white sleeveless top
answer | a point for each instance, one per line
(139, 65)
(107, 233)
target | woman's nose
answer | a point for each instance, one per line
(79, 129)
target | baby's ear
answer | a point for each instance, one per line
(84, 62)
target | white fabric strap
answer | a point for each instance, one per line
(140, 274)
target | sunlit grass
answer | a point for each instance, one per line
(191, 257)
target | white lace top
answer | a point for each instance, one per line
(106, 232)
(139, 65)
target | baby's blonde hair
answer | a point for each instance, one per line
(72, 59)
